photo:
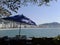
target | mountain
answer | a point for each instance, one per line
(50, 25)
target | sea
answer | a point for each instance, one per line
(34, 32)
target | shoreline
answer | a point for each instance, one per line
(25, 28)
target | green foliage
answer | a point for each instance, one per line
(57, 37)
(56, 40)
(14, 5)
(4, 12)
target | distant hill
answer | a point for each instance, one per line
(50, 25)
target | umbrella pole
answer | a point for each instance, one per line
(20, 30)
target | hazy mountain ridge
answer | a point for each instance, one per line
(50, 25)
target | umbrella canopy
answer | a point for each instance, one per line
(21, 19)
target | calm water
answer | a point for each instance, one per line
(31, 32)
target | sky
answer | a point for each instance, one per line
(42, 14)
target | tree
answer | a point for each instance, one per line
(4, 12)
(14, 5)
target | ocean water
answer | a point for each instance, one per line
(31, 32)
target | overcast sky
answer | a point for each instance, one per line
(42, 14)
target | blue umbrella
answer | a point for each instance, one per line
(20, 19)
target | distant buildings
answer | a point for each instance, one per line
(12, 24)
